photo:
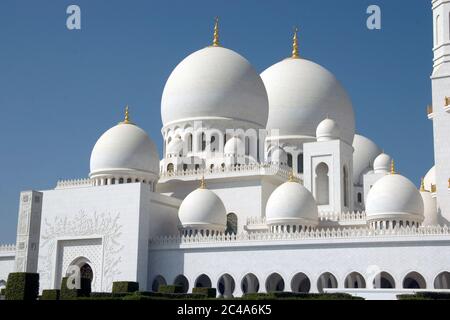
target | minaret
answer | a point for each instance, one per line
(440, 112)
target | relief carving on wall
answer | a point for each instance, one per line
(82, 225)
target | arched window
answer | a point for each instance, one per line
(442, 281)
(232, 224)
(157, 282)
(322, 190)
(250, 284)
(185, 167)
(345, 180)
(289, 160)
(300, 163)
(383, 280)
(215, 143)
(414, 280)
(120, 180)
(359, 197)
(170, 167)
(203, 281)
(226, 286)
(247, 146)
(275, 283)
(183, 282)
(203, 141)
(129, 180)
(189, 142)
(355, 281)
(326, 280)
(300, 283)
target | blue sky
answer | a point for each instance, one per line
(60, 89)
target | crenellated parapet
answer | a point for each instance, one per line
(7, 248)
(247, 169)
(74, 183)
(354, 234)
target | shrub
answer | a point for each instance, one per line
(68, 294)
(22, 286)
(170, 289)
(425, 296)
(208, 292)
(50, 294)
(125, 287)
(299, 296)
(2, 292)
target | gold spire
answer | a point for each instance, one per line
(216, 33)
(203, 183)
(422, 185)
(127, 115)
(393, 167)
(295, 54)
(292, 176)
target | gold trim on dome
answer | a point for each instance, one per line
(433, 188)
(447, 101)
(422, 185)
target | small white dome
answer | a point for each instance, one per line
(277, 155)
(365, 152)
(382, 163)
(430, 179)
(394, 197)
(124, 148)
(301, 94)
(202, 209)
(328, 130)
(175, 147)
(234, 146)
(214, 83)
(429, 209)
(292, 204)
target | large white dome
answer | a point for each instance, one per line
(302, 94)
(364, 154)
(125, 148)
(214, 83)
(202, 209)
(394, 197)
(292, 204)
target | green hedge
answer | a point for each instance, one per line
(170, 289)
(299, 296)
(50, 294)
(22, 286)
(208, 292)
(68, 294)
(425, 296)
(163, 296)
(125, 287)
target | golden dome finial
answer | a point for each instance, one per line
(295, 54)
(292, 176)
(202, 183)
(216, 33)
(127, 115)
(393, 167)
(422, 185)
